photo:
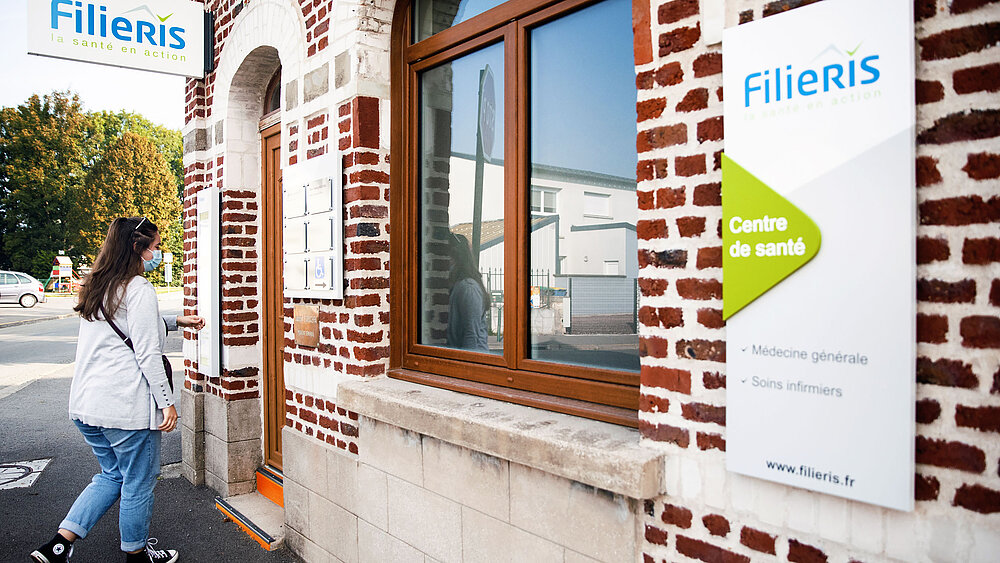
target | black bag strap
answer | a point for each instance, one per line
(128, 341)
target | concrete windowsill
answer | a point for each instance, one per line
(594, 453)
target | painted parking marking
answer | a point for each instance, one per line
(21, 474)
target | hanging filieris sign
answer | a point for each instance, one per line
(165, 36)
(818, 228)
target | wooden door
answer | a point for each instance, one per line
(272, 303)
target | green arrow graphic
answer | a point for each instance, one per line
(764, 236)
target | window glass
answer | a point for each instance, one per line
(596, 205)
(432, 16)
(7, 279)
(462, 203)
(582, 118)
(543, 201)
(23, 279)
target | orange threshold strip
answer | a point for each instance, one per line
(270, 486)
(251, 530)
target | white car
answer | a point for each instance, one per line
(18, 287)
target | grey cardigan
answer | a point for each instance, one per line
(113, 386)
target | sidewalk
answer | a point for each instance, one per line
(60, 306)
(34, 425)
(56, 306)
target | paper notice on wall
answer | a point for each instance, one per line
(818, 256)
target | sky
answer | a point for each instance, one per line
(157, 97)
(588, 52)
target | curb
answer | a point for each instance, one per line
(33, 321)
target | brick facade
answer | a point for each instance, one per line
(335, 80)
(711, 515)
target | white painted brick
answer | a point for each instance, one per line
(391, 449)
(714, 474)
(985, 542)
(833, 518)
(425, 520)
(471, 478)
(376, 546)
(373, 496)
(950, 540)
(574, 557)
(902, 538)
(802, 510)
(867, 527)
(488, 539)
(690, 478)
(769, 502)
(741, 492)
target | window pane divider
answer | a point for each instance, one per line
(514, 204)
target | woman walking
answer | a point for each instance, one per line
(121, 398)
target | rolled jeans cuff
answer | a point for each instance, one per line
(77, 529)
(133, 545)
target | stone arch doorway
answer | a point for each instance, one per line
(253, 166)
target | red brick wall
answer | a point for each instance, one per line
(317, 15)
(353, 331)
(322, 420)
(710, 515)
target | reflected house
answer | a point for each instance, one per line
(582, 247)
(594, 215)
(577, 146)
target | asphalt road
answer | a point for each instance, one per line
(35, 374)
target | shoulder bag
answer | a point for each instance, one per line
(128, 342)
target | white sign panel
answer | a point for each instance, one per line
(207, 239)
(819, 258)
(165, 36)
(313, 234)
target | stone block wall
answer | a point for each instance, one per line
(712, 515)
(407, 497)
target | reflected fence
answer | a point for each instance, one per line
(570, 304)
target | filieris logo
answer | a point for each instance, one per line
(94, 18)
(784, 84)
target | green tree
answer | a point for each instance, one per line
(131, 178)
(105, 127)
(42, 168)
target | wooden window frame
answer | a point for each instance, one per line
(601, 394)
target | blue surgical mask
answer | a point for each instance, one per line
(150, 265)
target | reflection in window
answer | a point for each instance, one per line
(582, 118)
(543, 201)
(462, 203)
(433, 16)
(596, 205)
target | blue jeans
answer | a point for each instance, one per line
(130, 464)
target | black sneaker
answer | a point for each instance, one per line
(152, 555)
(58, 550)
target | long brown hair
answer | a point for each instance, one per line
(119, 260)
(464, 265)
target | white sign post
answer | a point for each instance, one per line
(819, 257)
(208, 284)
(166, 36)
